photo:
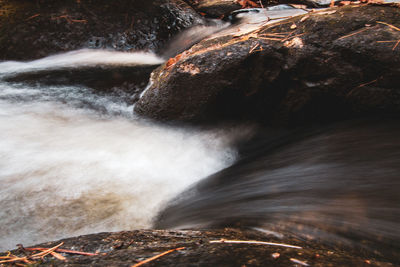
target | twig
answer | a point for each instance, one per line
(394, 47)
(287, 36)
(397, 42)
(273, 25)
(253, 48)
(269, 38)
(64, 251)
(394, 41)
(14, 259)
(46, 252)
(32, 17)
(354, 33)
(361, 85)
(274, 34)
(254, 242)
(368, 83)
(58, 256)
(69, 20)
(156, 257)
(291, 37)
(132, 23)
(390, 25)
(299, 262)
(393, 27)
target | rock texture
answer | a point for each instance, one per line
(128, 248)
(320, 66)
(214, 8)
(34, 29)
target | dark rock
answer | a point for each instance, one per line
(34, 29)
(128, 248)
(214, 8)
(330, 66)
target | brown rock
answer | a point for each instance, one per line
(334, 64)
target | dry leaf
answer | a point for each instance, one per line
(247, 3)
(276, 255)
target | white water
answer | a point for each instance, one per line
(72, 162)
(82, 58)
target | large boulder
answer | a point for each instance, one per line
(34, 29)
(319, 66)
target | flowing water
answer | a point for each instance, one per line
(337, 185)
(75, 162)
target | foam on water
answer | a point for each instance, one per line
(74, 163)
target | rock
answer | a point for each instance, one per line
(331, 64)
(34, 29)
(214, 8)
(130, 247)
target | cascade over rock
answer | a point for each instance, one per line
(221, 8)
(318, 66)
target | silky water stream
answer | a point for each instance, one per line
(75, 162)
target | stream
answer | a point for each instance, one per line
(75, 162)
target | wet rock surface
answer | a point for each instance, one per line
(130, 247)
(317, 67)
(34, 29)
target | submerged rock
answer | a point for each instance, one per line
(129, 248)
(319, 66)
(34, 29)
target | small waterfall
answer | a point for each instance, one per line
(73, 162)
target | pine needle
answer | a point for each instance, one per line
(390, 25)
(254, 242)
(354, 33)
(156, 257)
